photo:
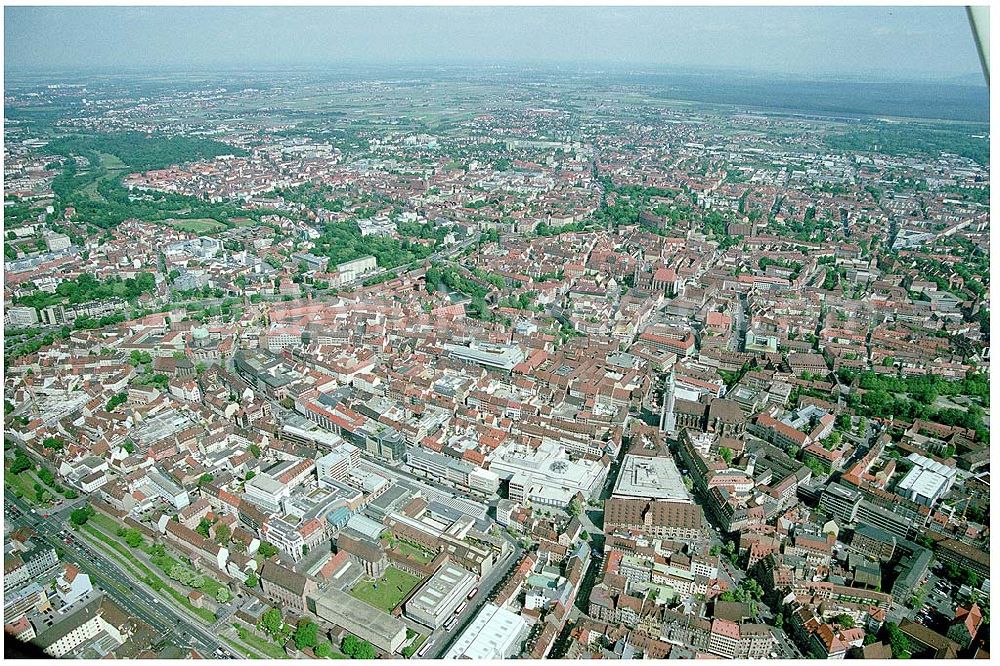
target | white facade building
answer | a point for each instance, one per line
(437, 600)
(496, 633)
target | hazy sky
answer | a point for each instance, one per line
(890, 42)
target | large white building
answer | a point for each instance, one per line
(651, 478)
(84, 622)
(57, 242)
(294, 539)
(158, 484)
(437, 600)
(496, 633)
(546, 475)
(338, 462)
(450, 471)
(72, 584)
(352, 270)
(280, 336)
(266, 492)
(21, 316)
(928, 480)
(488, 355)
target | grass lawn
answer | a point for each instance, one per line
(90, 190)
(211, 587)
(241, 648)
(111, 162)
(21, 485)
(418, 554)
(390, 590)
(165, 562)
(112, 165)
(243, 222)
(202, 225)
(106, 523)
(260, 644)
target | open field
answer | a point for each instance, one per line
(204, 225)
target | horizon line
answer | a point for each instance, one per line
(971, 78)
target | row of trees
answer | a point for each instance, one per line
(961, 575)
(449, 278)
(81, 515)
(49, 479)
(307, 636)
(21, 462)
(357, 648)
(749, 592)
(881, 403)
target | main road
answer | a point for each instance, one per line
(441, 638)
(130, 594)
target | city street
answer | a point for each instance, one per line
(441, 639)
(130, 594)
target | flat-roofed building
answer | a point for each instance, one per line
(841, 502)
(21, 316)
(266, 492)
(886, 519)
(382, 630)
(354, 269)
(161, 486)
(30, 597)
(365, 527)
(547, 475)
(339, 461)
(962, 554)
(927, 481)
(91, 619)
(493, 356)
(495, 633)
(438, 598)
(651, 478)
(450, 471)
(311, 436)
(874, 542)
